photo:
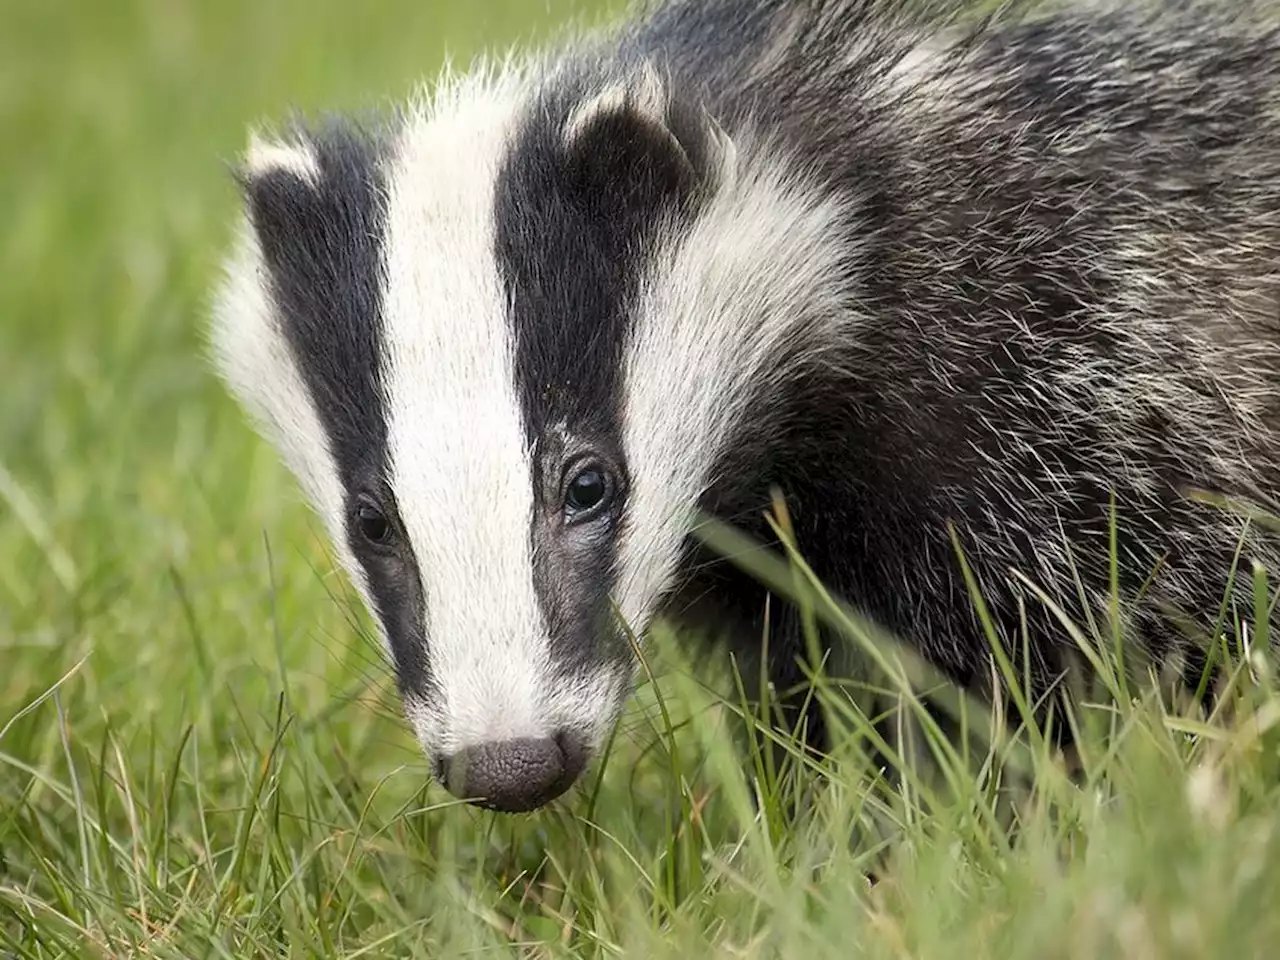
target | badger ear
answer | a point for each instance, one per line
(284, 190)
(276, 178)
(633, 139)
(267, 157)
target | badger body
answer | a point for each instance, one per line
(913, 269)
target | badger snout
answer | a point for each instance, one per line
(514, 776)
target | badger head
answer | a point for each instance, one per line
(503, 345)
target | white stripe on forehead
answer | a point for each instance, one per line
(458, 458)
(737, 305)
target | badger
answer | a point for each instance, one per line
(1008, 278)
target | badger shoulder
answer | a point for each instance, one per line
(1060, 227)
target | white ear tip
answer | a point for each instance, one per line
(651, 93)
(265, 156)
(645, 93)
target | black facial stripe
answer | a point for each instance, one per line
(322, 244)
(575, 226)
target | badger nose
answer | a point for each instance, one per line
(514, 776)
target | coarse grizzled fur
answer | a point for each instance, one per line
(910, 266)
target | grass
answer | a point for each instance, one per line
(200, 754)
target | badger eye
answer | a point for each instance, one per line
(587, 492)
(373, 523)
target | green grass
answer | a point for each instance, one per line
(200, 754)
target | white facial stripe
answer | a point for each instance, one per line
(459, 462)
(739, 303)
(253, 357)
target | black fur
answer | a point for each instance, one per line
(575, 220)
(322, 244)
(985, 253)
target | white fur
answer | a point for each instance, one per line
(460, 466)
(747, 299)
(645, 94)
(265, 156)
